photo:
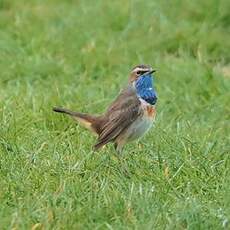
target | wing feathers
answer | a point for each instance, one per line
(120, 115)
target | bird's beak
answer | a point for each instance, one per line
(149, 72)
(152, 71)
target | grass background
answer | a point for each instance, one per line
(78, 54)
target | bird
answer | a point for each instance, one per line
(128, 117)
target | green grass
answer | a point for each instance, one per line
(78, 54)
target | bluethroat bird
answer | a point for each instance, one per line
(129, 116)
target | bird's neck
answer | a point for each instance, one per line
(145, 90)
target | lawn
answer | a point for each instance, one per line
(78, 54)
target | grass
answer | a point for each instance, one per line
(78, 54)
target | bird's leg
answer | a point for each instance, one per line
(115, 146)
(118, 145)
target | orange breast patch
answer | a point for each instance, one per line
(151, 111)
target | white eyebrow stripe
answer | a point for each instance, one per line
(140, 69)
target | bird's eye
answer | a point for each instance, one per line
(138, 72)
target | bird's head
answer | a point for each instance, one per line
(138, 71)
(141, 78)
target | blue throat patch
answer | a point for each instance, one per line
(145, 89)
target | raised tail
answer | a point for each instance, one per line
(90, 122)
(66, 111)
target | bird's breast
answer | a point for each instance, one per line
(148, 109)
(150, 112)
(143, 123)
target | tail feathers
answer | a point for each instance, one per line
(66, 111)
(88, 121)
(91, 122)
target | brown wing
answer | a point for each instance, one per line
(119, 116)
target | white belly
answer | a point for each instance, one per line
(139, 128)
(142, 124)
